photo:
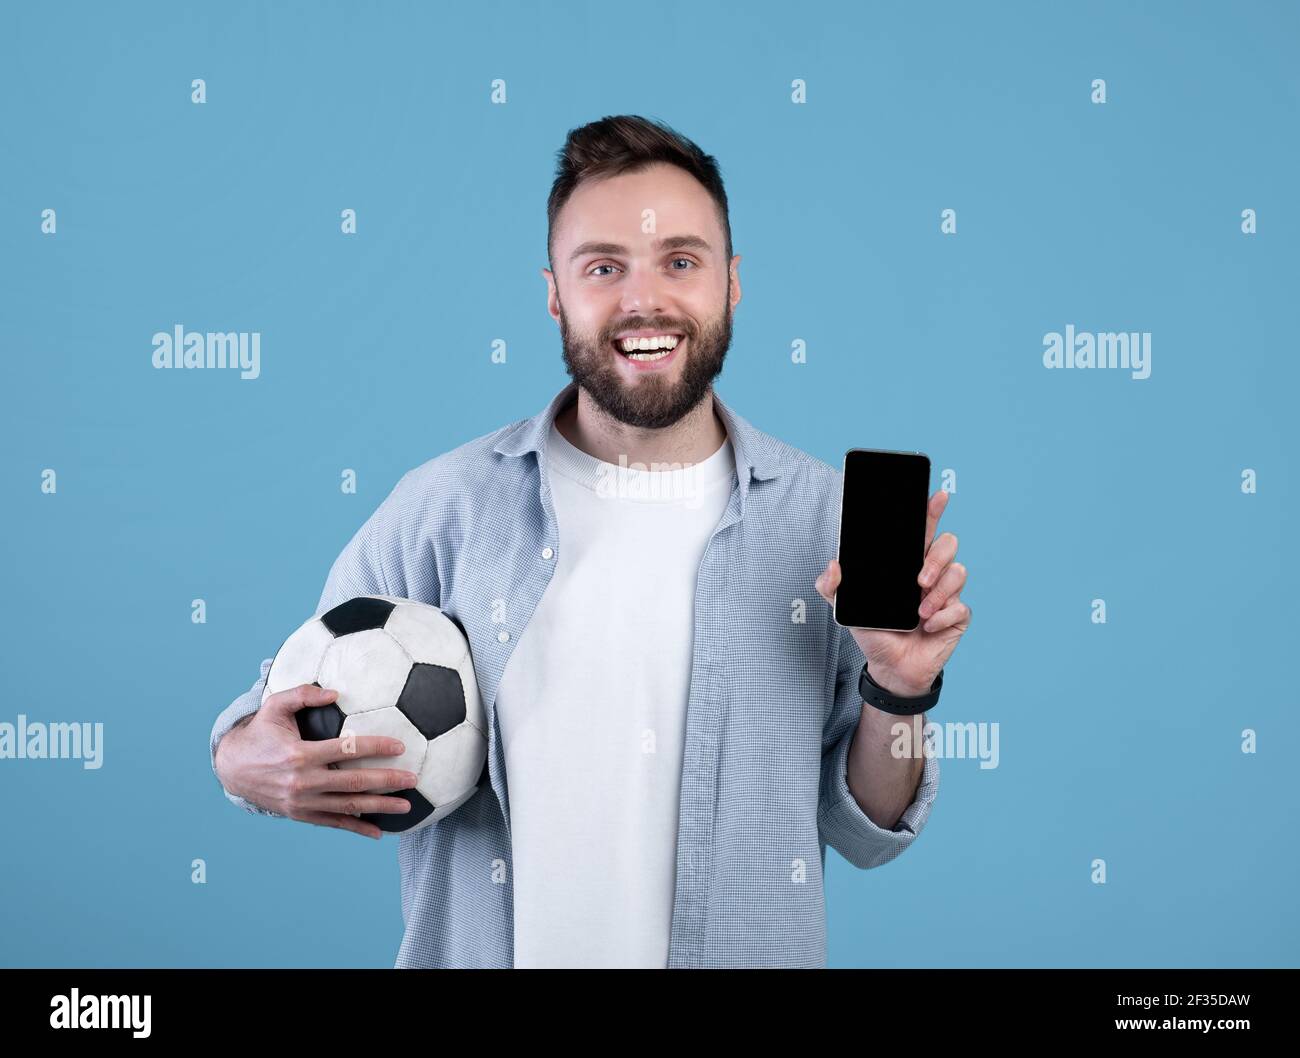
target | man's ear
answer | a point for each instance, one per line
(552, 302)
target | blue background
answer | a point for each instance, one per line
(1120, 741)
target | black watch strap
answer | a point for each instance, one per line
(874, 694)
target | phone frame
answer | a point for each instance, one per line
(839, 531)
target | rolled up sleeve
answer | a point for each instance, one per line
(245, 705)
(841, 823)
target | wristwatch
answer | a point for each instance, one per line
(876, 695)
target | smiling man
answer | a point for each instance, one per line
(675, 732)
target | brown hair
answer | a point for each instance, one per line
(627, 143)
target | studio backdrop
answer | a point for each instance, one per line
(1053, 246)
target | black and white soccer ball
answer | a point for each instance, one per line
(401, 669)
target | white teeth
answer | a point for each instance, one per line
(649, 356)
(662, 341)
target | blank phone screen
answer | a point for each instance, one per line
(882, 539)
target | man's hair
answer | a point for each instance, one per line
(627, 143)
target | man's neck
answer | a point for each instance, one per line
(692, 439)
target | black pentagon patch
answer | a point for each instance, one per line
(316, 723)
(396, 822)
(433, 699)
(357, 615)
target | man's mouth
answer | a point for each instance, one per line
(648, 349)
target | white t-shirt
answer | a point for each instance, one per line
(592, 707)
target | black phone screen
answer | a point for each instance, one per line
(882, 538)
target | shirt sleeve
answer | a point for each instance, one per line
(357, 571)
(841, 823)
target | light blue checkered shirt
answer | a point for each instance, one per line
(773, 699)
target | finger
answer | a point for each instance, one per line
(359, 780)
(933, 512)
(352, 747)
(354, 804)
(939, 555)
(955, 615)
(332, 819)
(948, 587)
(829, 580)
(286, 703)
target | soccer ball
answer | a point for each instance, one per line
(402, 669)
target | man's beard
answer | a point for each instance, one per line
(655, 399)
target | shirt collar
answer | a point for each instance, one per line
(753, 448)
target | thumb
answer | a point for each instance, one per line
(829, 581)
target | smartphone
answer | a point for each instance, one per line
(882, 539)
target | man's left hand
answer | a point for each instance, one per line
(906, 663)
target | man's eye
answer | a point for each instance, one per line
(596, 269)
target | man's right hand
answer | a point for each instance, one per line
(265, 760)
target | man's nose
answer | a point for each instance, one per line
(643, 293)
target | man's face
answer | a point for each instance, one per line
(612, 278)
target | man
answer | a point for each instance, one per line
(675, 735)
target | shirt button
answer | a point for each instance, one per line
(547, 553)
(503, 635)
